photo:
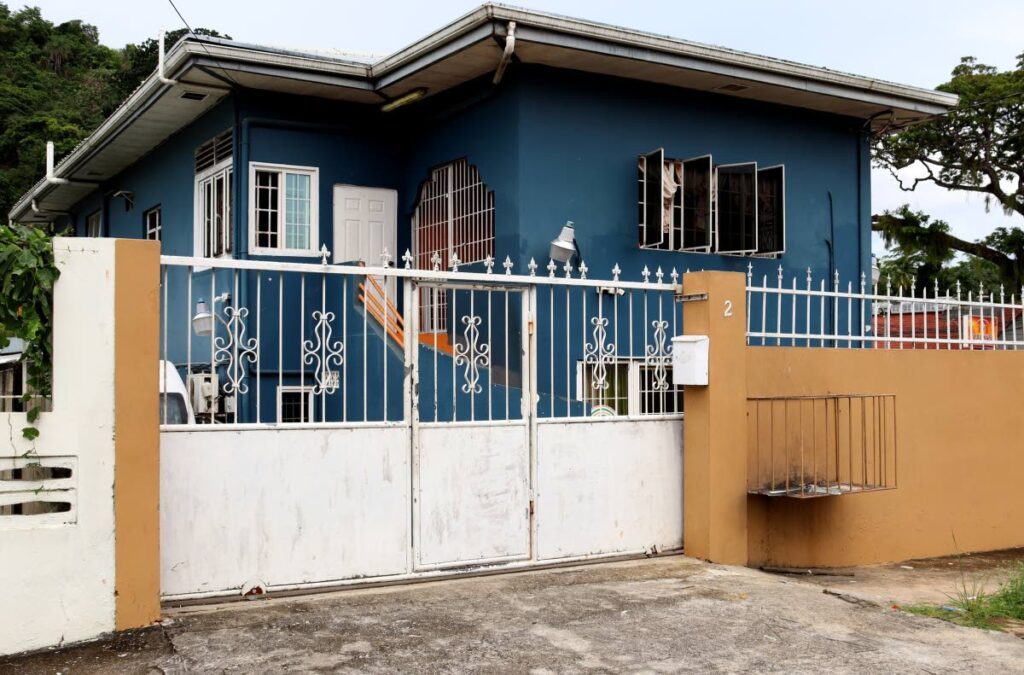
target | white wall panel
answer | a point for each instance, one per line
(609, 487)
(473, 496)
(284, 507)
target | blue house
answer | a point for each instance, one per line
(474, 145)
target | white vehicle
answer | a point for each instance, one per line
(175, 407)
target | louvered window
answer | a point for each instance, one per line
(215, 150)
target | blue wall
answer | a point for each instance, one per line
(553, 145)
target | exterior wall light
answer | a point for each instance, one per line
(404, 99)
(565, 245)
(202, 321)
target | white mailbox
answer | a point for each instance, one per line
(690, 360)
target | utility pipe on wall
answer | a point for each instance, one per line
(160, 62)
(506, 56)
(50, 177)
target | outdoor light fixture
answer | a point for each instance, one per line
(202, 321)
(404, 99)
(563, 247)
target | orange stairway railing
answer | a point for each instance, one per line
(374, 298)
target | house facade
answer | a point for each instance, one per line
(468, 149)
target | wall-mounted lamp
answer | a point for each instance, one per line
(202, 321)
(404, 99)
(565, 245)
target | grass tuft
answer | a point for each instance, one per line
(970, 606)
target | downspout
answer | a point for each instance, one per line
(51, 178)
(506, 56)
(831, 255)
(160, 62)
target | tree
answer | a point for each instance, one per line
(57, 83)
(977, 147)
(139, 60)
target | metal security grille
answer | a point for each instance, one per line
(453, 225)
(215, 150)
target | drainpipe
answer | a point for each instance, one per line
(160, 62)
(506, 56)
(50, 177)
(831, 254)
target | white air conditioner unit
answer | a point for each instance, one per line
(204, 388)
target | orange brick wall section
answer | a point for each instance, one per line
(960, 457)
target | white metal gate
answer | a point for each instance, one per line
(534, 424)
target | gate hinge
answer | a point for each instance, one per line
(529, 510)
(530, 326)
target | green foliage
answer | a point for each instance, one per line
(970, 606)
(978, 147)
(27, 276)
(57, 83)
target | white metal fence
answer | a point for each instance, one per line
(807, 313)
(295, 344)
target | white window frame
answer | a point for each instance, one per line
(198, 226)
(94, 221)
(781, 251)
(310, 409)
(313, 172)
(148, 231)
(718, 210)
(633, 392)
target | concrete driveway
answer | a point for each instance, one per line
(671, 614)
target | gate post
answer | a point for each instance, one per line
(714, 430)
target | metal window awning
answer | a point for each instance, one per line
(9, 358)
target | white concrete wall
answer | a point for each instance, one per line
(609, 486)
(286, 508)
(58, 569)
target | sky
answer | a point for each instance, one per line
(913, 42)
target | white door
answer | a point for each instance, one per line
(365, 224)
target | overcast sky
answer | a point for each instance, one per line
(912, 42)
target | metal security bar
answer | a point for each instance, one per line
(819, 446)
(259, 343)
(802, 312)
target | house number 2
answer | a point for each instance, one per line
(728, 309)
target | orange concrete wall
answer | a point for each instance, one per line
(136, 433)
(960, 457)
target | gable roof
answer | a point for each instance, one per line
(468, 47)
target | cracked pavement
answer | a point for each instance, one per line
(667, 614)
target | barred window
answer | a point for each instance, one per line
(215, 150)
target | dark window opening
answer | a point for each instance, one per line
(737, 208)
(771, 210)
(698, 203)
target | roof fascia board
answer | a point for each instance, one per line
(286, 73)
(581, 43)
(467, 39)
(465, 23)
(702, 53)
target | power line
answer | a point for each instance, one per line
(201, 43)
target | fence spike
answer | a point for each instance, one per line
(674, 276)
(616, 271)
(489, 264)
(435, 261)
(551, 268)
(583, 269)
(323, 254)
(750, 274)
(385, 258)
(780, 274)
(568, 269)
(532, 267)
(507, 265)
(407, 259)
(646, 274)
(659, 275)
(455, 262)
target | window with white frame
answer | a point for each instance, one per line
(294, 404)
(93, 223)
(694, 205)
(213, 196)
(151, 225)
(454, 216)
(283, 209)
(632, 387)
